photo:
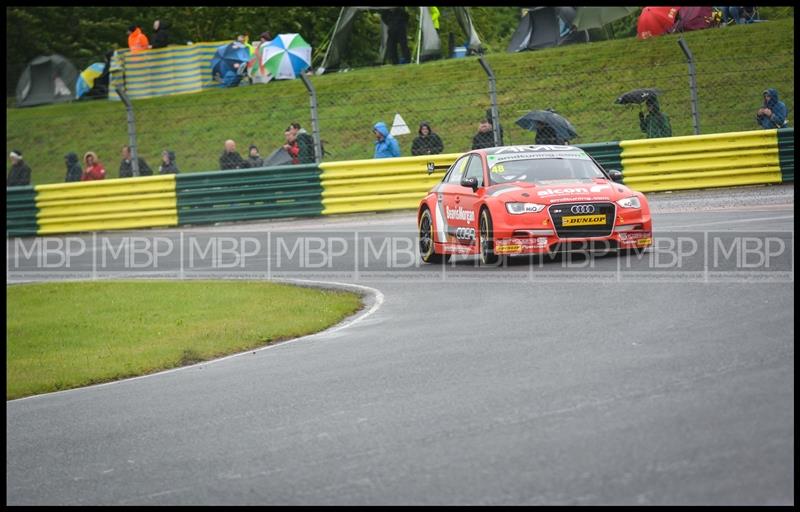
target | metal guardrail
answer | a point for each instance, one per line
(21, 211)
(701, 161)
(99, 205)
(786, 153)
(698, 161)
(248, 194)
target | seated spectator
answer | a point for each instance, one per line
(74, 170)
(20, 174)
(427, 142)
(94, 169)
(168, 165)
(160, 34)
(772, 113)
(264, 38)
(305, 144)
(291, 146)
(230, 159)
(136, 39)
(485, 136)
(126, 165)
(255, 160)
(386, 145)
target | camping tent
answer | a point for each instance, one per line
(543, 27)
(428, 39)
(46, 79)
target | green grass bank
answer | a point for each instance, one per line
(67, 335)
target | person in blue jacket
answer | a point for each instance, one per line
(772, 113)
(386, 145)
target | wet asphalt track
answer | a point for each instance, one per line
(602, 380)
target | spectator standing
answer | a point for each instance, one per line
(74, 170)
(94, 169)
(126, 165)
(386, 145)
(137, 41)
(160, 34)
(20, 174)
(254, 159)
(396, 20)
(656, 123)
(230, 159)
(168, 165)
(291, 145)
(427, 142)
(305, 144)
(772, 113)
(485, 136)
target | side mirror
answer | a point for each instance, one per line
(615, 175)
(470, 182)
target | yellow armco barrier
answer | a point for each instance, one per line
(107, 204)
(380, 184)
(701, 161)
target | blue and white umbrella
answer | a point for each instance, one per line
(286, 56)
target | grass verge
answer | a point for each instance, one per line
(67, 335)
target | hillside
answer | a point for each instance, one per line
(734, 65)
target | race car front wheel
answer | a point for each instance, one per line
(488, 257)
(426, 249)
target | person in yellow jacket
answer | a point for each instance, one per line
(136, 39)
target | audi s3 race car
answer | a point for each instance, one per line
(531, 199)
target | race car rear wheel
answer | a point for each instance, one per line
(488, 256)
(427, 251)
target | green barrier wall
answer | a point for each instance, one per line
(21, 211)
(247, 194)
(607, 154)
(786, 153)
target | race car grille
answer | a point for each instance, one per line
(582, 220)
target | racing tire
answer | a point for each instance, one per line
(487, 254)
(427, 251)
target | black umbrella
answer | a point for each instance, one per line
(562, 127)
(636, 96)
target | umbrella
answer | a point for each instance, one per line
(636, 96)
(87, 77)
(286, 56)
(562, 127)
(694, 18)
(597, 17)
(655, 21)
(228, 58)
(278, 157)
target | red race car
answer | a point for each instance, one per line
(530, 200)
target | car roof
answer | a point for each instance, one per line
(525, 148)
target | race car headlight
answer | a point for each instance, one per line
(630, 202)
(520, 208)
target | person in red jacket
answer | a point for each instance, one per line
(94, 169)
(136, 39)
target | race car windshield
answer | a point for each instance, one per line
(544, 169)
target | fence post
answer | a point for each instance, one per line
(314, 118)
(131, 130)
(692, 84)
(493, 98)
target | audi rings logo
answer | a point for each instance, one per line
(582, 208)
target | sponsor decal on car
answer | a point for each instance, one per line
(573, 190)
(459, 214)
(583, 220)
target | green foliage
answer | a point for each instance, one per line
(66, 335)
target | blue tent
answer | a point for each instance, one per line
(227, 62)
